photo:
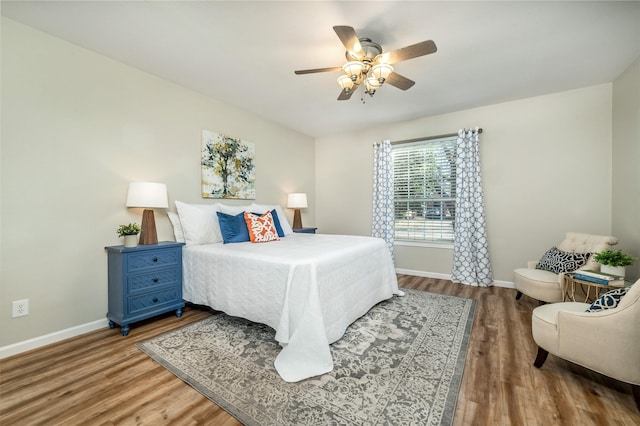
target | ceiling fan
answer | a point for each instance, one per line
(367, 65)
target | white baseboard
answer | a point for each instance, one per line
(506, 284)
(423, 274)
(36, 342)
(496, 283)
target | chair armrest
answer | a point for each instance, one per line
(532, 264)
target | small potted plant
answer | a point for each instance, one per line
(613, 261)
(130, 233)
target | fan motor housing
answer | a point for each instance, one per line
(370, 49)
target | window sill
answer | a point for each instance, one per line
(448, 246)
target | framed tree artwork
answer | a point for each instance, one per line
(228, 167)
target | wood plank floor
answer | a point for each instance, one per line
(101, 378)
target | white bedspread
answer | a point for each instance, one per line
(307, 287)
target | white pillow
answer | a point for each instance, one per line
(284, 222)
(178, 233)
(233, 210)
(199, 223)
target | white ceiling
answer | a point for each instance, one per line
(244, 53)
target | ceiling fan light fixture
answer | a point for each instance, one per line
(371, 84)
(368, 66)
(381, 72)
(353, 69)
(345, 82)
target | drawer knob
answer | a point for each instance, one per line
(155, 259)
(155, 300)
(155, 280)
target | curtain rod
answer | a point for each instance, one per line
(427, 138)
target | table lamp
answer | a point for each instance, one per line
(297, 201)
(148, 195)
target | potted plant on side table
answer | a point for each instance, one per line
(613, 261)
(130, 233)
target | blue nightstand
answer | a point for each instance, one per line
(144, 281)
(305, 230)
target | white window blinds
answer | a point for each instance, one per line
(424, 190)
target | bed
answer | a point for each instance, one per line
(309, 288)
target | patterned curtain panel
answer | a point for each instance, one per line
(383, 221)
(470, 246)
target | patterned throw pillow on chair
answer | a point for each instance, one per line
(262, 229)
(558, 261)
(609, 300)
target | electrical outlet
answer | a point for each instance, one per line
(20, 308)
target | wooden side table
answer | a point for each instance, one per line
(569, 290)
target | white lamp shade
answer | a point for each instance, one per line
(147, 194)
(297, 201)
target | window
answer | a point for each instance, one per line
(425, 190)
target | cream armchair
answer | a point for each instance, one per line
(606, 341)
(547, 286)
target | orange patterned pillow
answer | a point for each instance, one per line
(261, 228)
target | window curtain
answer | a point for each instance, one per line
(383, 220)
(470, 246)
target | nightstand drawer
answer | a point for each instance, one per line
(152, 259)
(152, 301)
(161, 278)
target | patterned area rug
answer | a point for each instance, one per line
(400, 364)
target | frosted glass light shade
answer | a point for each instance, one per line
(297, 201)
(353, 69)
(373, 82)
(147, 194)
(381, 72)
(345, 82)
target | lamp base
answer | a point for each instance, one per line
(297, 219)
(148, 235)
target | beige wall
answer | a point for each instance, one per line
(626, 164)
(77, 127)
(546, 166)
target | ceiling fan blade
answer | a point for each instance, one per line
(311, 71)
(349, 39)
(346, 94)
(399, 81)
(408, 52)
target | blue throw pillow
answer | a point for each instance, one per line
(609, 300)
(233, 228)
